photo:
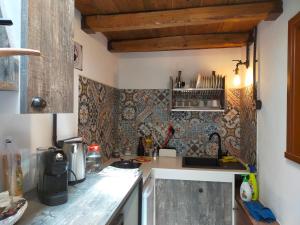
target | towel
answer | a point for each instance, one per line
(259, 212)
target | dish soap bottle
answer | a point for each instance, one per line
(245, 190)
(253, 183)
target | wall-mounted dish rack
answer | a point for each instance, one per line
(197, 99)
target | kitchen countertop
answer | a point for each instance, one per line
(100, 196)
(175, 163)
(95, 201)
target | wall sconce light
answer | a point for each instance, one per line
(237, 76)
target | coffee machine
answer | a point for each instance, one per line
(75, 150)
(52, 176)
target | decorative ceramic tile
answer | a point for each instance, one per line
(248, 126)
(97, 114)
(192, 129)
(117, 118)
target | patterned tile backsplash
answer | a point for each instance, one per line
(248, 126)
(98, 110)
(144, 112)
(117, 118)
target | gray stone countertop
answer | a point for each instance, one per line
(95, 201)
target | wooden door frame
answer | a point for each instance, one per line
(292, 153)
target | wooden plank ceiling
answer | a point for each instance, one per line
(160, 25)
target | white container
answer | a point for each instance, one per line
(246, 191)
(167, 152)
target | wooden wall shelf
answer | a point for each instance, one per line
(5, 52)
(8, 86)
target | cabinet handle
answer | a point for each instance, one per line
(200, 190)
(38, 103)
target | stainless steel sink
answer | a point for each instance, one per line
(213, 163)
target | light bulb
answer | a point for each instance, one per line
(249, 77)
(237, 80)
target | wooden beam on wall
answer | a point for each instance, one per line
(180, 43)
(183, 17)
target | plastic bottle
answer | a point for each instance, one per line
(245, 190)
(253, 183)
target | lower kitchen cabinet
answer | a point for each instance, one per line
(181, 202)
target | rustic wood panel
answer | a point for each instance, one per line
(293, 98)
(180, 43)
(180, 17)
(50, 30)
(88, 7)
(232, 27)
(193, 202)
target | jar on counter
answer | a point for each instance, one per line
(93, 159)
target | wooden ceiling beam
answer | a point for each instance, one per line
(180, 43)
(182, 17)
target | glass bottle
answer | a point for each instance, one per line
(141, 149)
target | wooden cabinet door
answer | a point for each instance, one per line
(47, 25)
(293, 107)
(181, 202)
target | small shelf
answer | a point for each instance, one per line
(187, 109)
(8, 86)
(197, 99)
(5, 52)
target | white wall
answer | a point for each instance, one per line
(98, 64)
(152, 70)
(12, 10)
(278, 177)
(32, 131)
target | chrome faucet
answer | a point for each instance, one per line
(219, 143)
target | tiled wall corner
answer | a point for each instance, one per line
(248, 126)
(97, 114)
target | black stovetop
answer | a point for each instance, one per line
(126, 164)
